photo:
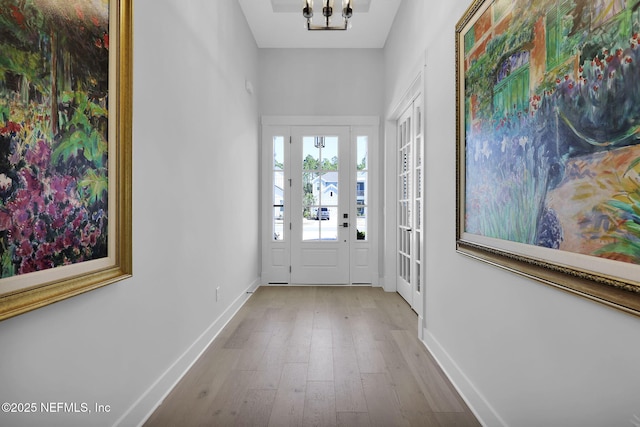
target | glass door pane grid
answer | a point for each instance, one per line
(320, 188)
(278, 175)
(362, 187)
(404, 201)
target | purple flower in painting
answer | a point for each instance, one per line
(51, 210)
(20, 215)
(39, 155)
(28, 266)
(32, 182)
(78, 220)
(61, 187)
(43, 263)
(20, 201)
(40, 230)
(58, 222)
(24, 249)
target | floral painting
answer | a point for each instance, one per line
(54, 81)
(552, 125)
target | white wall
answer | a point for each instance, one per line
(536, 355)
(195, 225)
(324, 82)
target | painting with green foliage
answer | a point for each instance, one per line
(551, 113)
(54, 77)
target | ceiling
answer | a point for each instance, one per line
(280, 24)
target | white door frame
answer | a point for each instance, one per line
(276, 254)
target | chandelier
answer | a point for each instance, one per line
(327, 12)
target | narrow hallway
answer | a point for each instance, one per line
(316, 356)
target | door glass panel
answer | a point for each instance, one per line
(361, 224)
(278, 153)
(405, 187)
(362, 155)
(329, 154)
(310, 192)
(320, 187)
(362, 186)
(278, 224)
(310, 154)
(329, 226)
(278, 205)
(277, 220)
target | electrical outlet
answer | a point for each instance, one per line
(217, 293)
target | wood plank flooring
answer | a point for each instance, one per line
(316, 356)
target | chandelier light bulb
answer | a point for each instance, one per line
(307, 10)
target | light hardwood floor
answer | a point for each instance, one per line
(316, 356)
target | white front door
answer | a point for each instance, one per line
(321, 218)
(319, 204)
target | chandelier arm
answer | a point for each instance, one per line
(313, 27)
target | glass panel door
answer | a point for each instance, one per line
(321, 215)
(276, 212)
(410, 205)
(405, 205)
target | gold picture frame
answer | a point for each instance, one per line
(103, 182)
(547, 173)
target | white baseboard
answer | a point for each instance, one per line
(387, 285)
(483, 411)
(142, 409)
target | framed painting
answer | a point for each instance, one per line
(548, 143)
(65, 149)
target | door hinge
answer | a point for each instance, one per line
(290, 182)
(290, 139)
(289, 226)
(289, 269)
